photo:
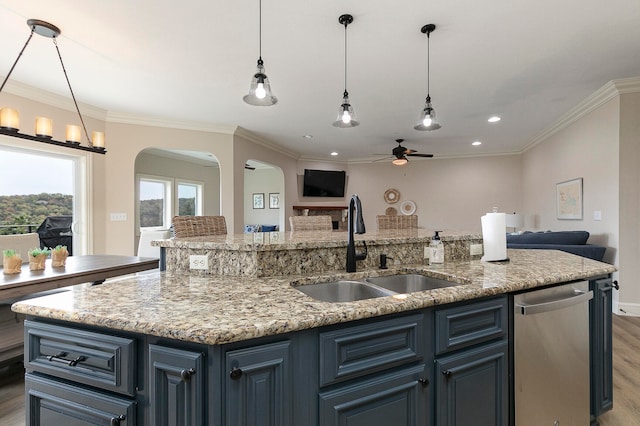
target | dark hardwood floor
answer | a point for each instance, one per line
(626, 380)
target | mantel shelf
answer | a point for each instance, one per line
(319, 207)
(50, 141)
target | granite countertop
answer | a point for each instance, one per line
(265, 241)
(219, 309)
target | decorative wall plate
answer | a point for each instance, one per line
(408, 207)
(391, 196)
(391, 211)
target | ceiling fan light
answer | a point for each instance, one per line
(260, 90)
(400, 161)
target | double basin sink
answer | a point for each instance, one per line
(369, 288)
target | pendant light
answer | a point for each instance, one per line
(260, 90)
(428, 115)
(346, 117)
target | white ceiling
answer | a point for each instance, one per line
(526, 61)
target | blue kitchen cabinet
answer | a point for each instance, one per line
(600, 314)
(176, 386)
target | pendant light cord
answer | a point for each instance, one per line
(71, 90)
(428, 61)
(345, 59)
(17, 59)
(260, 30)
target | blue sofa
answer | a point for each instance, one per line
(570, 241)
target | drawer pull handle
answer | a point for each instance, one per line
(423, 381)
(186, 374)
(115, 421)
(616, 285)
(447, 373)
(70, 362)
(235, 373)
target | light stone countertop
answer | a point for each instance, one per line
(266, 241)
(218, 309)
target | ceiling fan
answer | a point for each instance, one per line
(400, 154)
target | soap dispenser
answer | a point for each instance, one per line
(436, 249)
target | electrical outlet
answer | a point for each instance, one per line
(597, 215)
(118, 217)
(475, 249)
(198, 261)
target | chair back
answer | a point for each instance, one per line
(21, 243)
(311, 223)
(198, 226)
(145, 249)
(397, 221)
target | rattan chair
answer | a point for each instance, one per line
(311, 223)
(397, 222)
(198, 226)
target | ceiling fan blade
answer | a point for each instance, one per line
(422, 155)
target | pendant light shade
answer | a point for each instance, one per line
(428, 114)
(260, 90)
(346, 117)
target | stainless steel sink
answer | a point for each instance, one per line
(343, 291)
(409, 283)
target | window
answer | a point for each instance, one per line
(161, 198)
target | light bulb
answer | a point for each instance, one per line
(427, 121)
(260, 92)
(346, 117)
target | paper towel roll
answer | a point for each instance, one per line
(494, 237)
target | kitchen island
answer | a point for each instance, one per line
(173, 348)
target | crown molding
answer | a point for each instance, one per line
(143, 120)
(601, 96)
(252, 137)
(52, 99)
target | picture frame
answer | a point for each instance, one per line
(569, 203)
(258, 200)
(274, 200)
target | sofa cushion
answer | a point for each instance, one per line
(555, 237)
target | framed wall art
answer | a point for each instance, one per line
(569, 199)
(274, 200)
(258, 200)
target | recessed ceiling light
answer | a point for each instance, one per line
(476, 143)
(308, 136)
(494, 119)
(334, 153)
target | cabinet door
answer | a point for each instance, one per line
(50, 402)
(472, 387)
(399, 399)
(258, 385)
(601, 352)
(176, 386)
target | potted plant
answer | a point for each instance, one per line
(37, 258)
(59, 256)
(11, 261)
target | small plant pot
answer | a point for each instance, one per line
(11, 264)
(58, 260)
(36, 263)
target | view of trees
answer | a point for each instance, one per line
(31, 210)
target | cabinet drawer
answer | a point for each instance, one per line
(470, 324)
(355, 351)
(95, 359)
(54, 403)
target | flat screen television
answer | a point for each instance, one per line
(324, 183)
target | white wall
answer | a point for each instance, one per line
(448, 193)
(263, 181)
(587, 149)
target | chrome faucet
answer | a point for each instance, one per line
(357, 228)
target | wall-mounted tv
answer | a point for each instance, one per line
(323, 183)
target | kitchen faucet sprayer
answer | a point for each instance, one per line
(355, 228)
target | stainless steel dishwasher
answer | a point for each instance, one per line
(551, 356)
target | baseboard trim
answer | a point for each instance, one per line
(628, 309)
